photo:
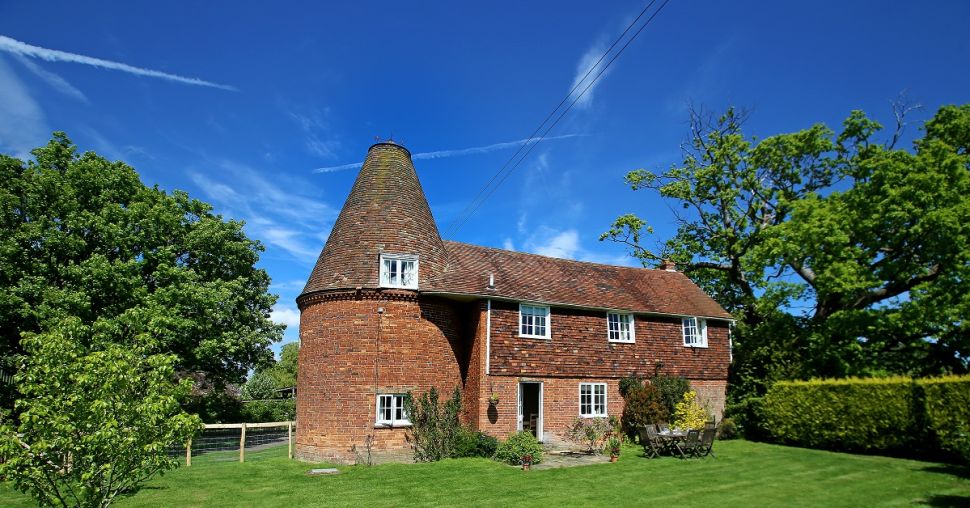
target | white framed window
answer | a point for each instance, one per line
(695, 332)
(619, 327)
(399, 271)
(592, 400)
(390, 410)
(534, 321)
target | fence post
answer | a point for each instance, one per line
(242, 444)
(289, 440)
(188, 453)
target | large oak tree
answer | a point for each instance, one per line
(839, 254)
(82, 237)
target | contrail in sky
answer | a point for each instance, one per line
(52, 55)
(440, 154)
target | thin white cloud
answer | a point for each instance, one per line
(22, 123)
(508, 245)
(564, 244)
(314, 124)
(280, 217)
(55, 81)
(52, 55)
(440, 154)
(285, 315)
(589, 58)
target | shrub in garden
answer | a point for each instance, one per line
(590, 432)
(517, 446)
(946, 407)
(470, 443)
(688, 414)
(747, 416)
(672, 390)
(434, 427)
(629, 383)
(642, 405)
(727, 430)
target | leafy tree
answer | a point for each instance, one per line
(283, 372)
(92, 422)
(839, 254)
(672, 390)
(83, 237)
(259, 387)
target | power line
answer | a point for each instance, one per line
(484, 193)
(453, 228)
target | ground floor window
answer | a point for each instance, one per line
(592, 399)
(390, 410)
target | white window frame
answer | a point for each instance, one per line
(531, 313)
(398, 260)
(593, 405)
(694, 330)
(631, 335)
(397, 402)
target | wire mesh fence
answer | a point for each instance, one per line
(235, 437)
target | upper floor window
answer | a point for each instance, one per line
(620, 327)
(399, 271)
(592, 400)
(390, 410)
(695, 332)
(534, 321)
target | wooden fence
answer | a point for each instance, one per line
(242, 437)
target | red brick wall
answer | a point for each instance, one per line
(420, 346)
(579, 347)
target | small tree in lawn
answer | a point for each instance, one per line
(91, 422)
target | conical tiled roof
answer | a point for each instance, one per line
(386, 212)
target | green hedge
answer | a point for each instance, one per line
(895, 414)
(280, 410)
(947, 413)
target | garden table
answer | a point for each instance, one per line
(672, 437)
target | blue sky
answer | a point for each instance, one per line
(239, 103)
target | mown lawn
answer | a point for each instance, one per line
(744, 474)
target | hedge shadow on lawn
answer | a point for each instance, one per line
(950, 469)
(947, 501)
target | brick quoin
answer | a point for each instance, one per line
(460, 328)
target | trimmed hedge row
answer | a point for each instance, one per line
(895, 414)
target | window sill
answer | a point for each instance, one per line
(415, 288)
(611, 341)
(391, 425)
(540, 337)
(700, 346)
(594, 416)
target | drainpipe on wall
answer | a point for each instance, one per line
(488, 336)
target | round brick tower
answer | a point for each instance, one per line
(367, 334)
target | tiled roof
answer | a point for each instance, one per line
(386, 212)
(530, 277)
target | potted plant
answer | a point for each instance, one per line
(613, 445)
(526, 461)
(493, 399)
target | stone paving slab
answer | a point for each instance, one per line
(557, 459)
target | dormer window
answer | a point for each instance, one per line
(620, 327)
(399, 271)
(695, 332)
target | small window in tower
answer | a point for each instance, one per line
(399, 271)
(391, 410)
